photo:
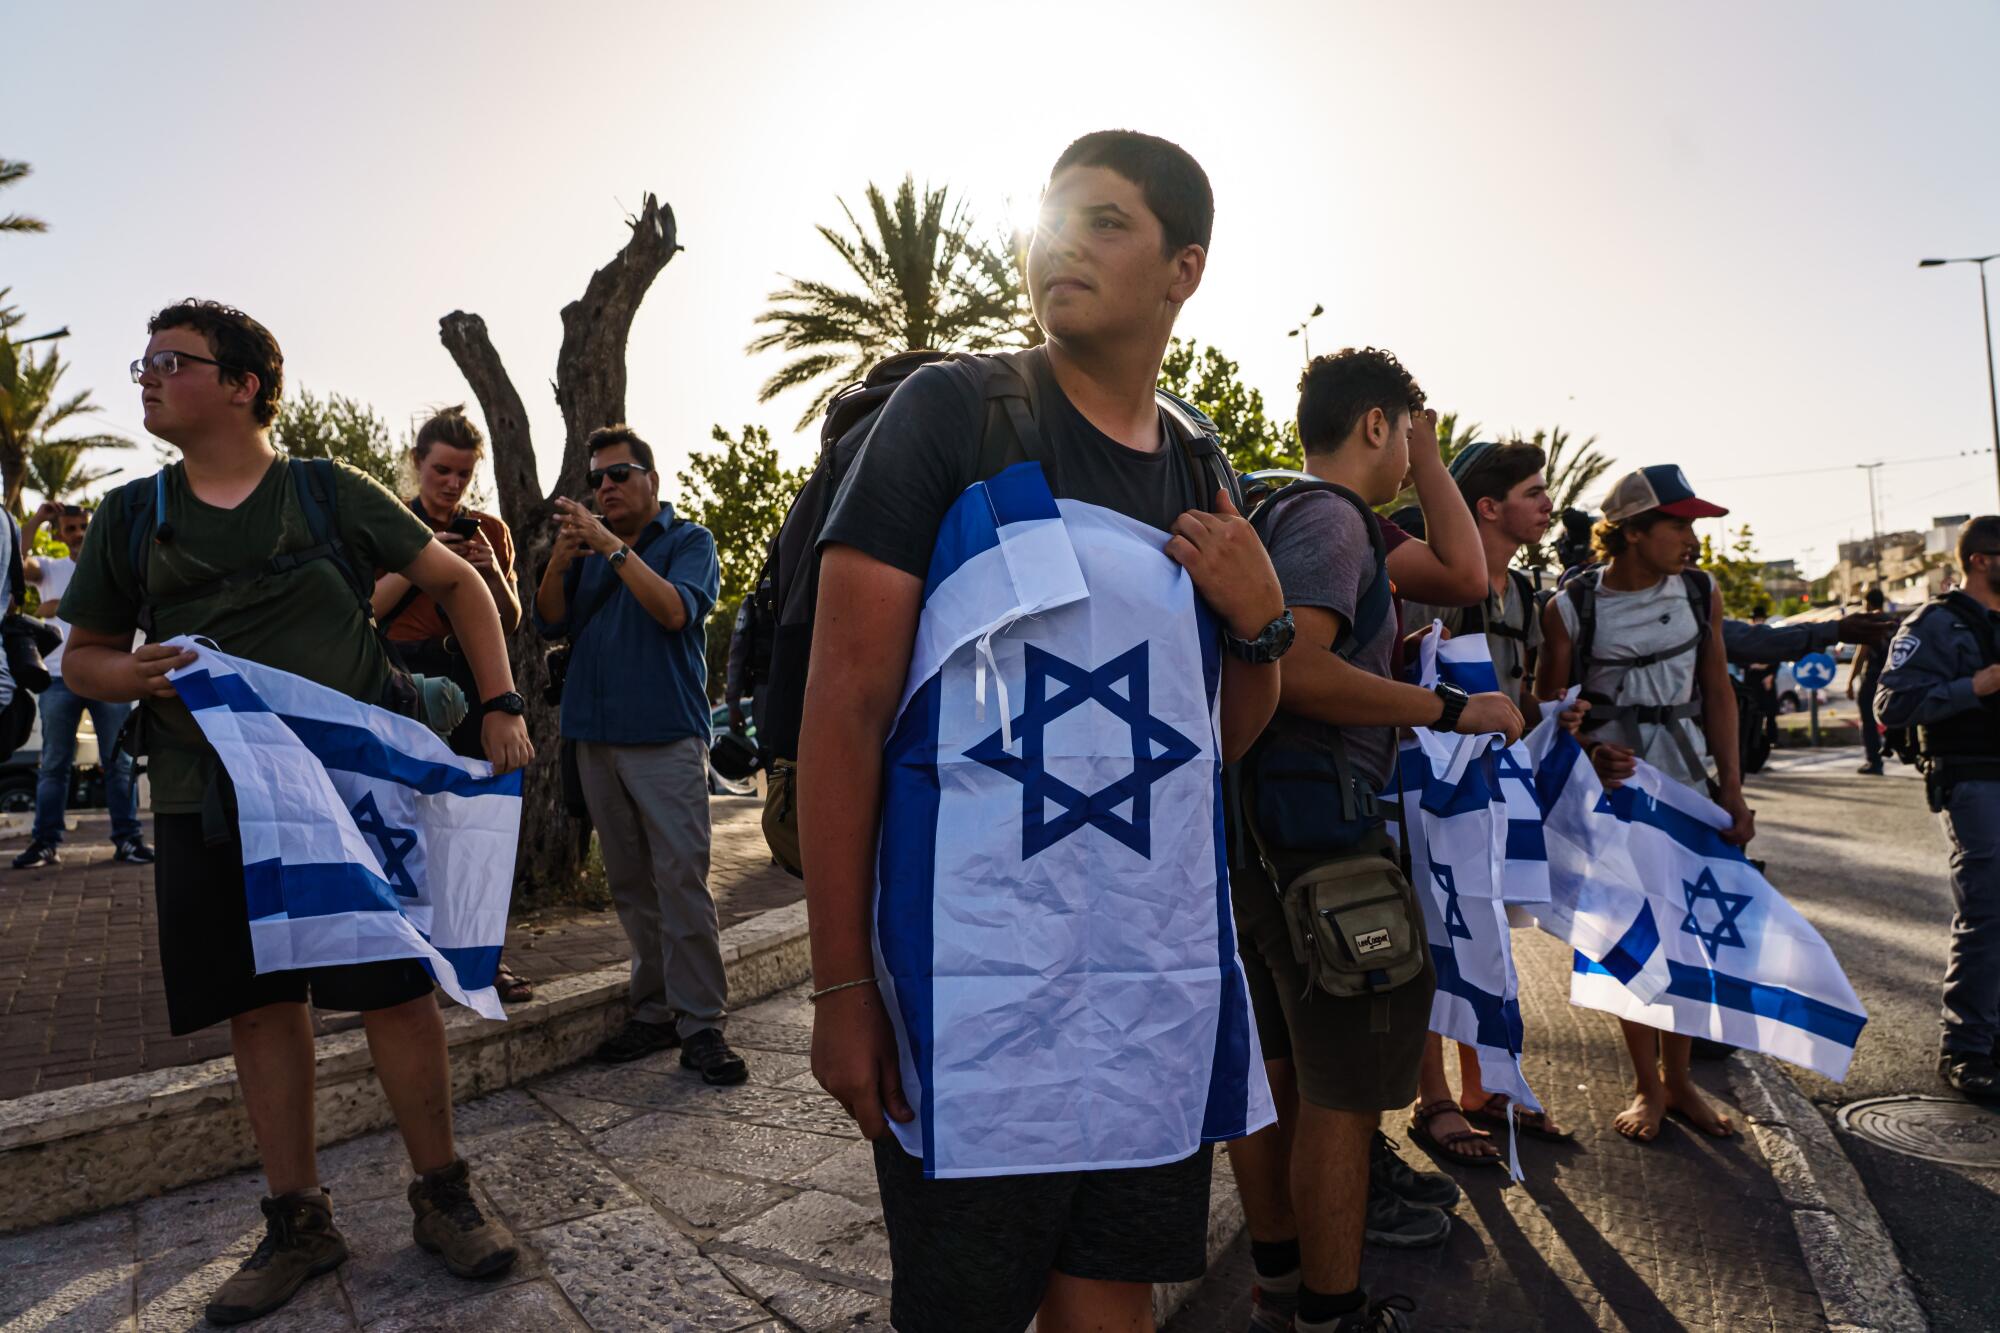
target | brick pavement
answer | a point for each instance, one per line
(1685, 1233)
(80, 992)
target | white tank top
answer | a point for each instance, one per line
(1632, 624)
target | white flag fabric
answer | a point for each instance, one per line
(1745, 967)
(1598, 902)
(364, 837)
(1466, 661)
(1052, 922)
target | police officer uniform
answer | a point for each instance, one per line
(1927, 686)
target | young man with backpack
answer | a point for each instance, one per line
(1508, 495)
(271, 559)
(1940, 698)
(1641, 633)
(1324, 1178)
(1041, 629)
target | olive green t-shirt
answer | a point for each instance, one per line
(306, 621)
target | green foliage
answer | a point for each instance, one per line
(1737, 572)
(340, 427)
(740, 493)
(12, 173)
(1452, 439)
(55, 468)
(32, 408)
(1212, 382)
(924, 280)
(1572, 470)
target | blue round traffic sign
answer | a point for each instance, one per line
(1814, 671)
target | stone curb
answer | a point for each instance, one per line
(1853, 1262)
(78, 1150)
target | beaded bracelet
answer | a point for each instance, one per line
(845, 985)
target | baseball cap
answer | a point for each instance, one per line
(1663, 487)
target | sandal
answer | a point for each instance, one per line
(1448, 1146)
(1493, 1111)
(512, 989)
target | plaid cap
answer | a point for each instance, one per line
(1663, 487)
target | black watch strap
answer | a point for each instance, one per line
(511, 702)
(1455, 700)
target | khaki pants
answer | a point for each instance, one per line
(650, 806)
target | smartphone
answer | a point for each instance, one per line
(464, 526)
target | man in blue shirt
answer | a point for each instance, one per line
(630, 587)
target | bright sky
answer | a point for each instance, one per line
(1690, 230)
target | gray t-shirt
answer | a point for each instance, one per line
(1320, 548)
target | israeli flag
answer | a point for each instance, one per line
(1053, 931)
(1467, 661)
(1744, 967)
(364, 837)
(1598, 903)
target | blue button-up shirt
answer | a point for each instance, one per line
(633, 681)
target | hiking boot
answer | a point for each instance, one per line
(133, 851)
(709, 1055)
(636, 1039)
(450, 1225)
(38, 853)
(299, 1244)
(1383, 1316)
(1977, 1076)
(1388, 1171)
(1872, 769)
(1404, 1226)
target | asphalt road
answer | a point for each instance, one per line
(1864, 860)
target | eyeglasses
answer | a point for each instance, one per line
(165, 364)
(620, 473)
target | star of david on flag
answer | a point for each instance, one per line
(364, 837)
(1725, 933)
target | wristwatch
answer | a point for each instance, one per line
(511, 702)
(617, 557)
(1455, 700)
(1268, 646)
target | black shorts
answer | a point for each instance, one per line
(974, 1254)
(205, 955)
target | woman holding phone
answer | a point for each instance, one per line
(447, 449)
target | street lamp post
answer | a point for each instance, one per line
(1986, 317)
(1302, 331)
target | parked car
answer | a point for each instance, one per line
(19, 770)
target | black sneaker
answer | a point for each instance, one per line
(709, 1055)
(1398, 1225)
(38, 853)
(1388, 1171)
(1874, 770)
(637, 1038)
(1977, 1076)
(1383, 1316)
(133, 851)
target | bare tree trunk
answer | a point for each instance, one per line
(590, 388)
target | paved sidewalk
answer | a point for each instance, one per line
(1685, 1233)
(80, 993)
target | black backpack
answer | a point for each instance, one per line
(145, 503)
(1907, 743)
(1581, 590)
(1265, 491)
(788, 584)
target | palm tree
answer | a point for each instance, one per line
(54, 468)
(10, 172)
(924, 281)
(1569, 475)
(30, 411)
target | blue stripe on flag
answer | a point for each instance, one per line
(274, 889)
(1498, 1021)
(1552, 774)
(1526, 841)
(907, 872)
(1228, 1109)
(204, 689)
(1635, 807)
(1706, 986)
(353, 749)
(1476, 790)
(1628, 957)
(1475, 677)
(972, 524)
(475, 964)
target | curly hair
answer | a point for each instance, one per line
(239, 343)
(1608, 539)
(1336, 393)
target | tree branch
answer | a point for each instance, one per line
(522, 503)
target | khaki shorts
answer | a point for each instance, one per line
(1349, 1054)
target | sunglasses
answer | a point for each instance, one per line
(166, 364)
(620, 473)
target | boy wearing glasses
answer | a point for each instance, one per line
(630, 586)
(231, 560)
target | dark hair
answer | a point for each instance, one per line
(240, 343)
(1981, 536)
(1875, 600)
(1608, 539)
(604, 437)
(1500, 470)
(1175, 186)
(1573, 547)
(1336, 392)
(448, 425)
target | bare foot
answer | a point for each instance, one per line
(1687, 1099)
(1640, 1121)
(1457, 1137)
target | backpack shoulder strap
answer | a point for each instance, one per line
(1526, 589)
(1973, 616)
(1201, 441)
(313, 478)
(1582, 594)
(143, 501)
(1376, 603)
(1008, 402)
(1701, 599)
